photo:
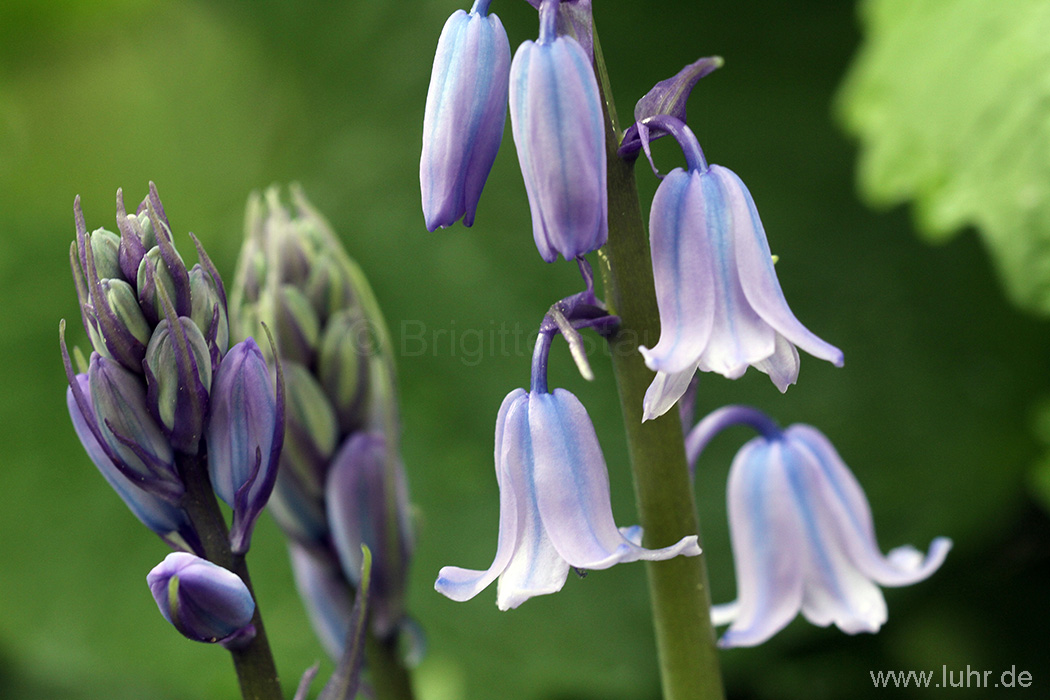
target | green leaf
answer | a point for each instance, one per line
(951, 102)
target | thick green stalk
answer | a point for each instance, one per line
(678, 587)
(256, 671)
(390, 678)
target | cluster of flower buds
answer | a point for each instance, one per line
(556, 119)
(163, 399)
(341, 483)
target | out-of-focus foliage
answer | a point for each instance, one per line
(212, 99)
(951, 102)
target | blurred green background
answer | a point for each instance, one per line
(934, 410)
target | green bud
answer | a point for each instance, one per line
(105, 247)
(328, 287)
(342, 366)
(179, 399)
(205, 300)
(121, 298)
(296, 326)
(311, 430)
(161, 276)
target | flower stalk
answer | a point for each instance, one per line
(679, 590)
(256, 670)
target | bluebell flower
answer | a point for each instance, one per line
(559, 132)
(204, 601)
(465, 113)
(721, 306)
(329, 601)
(555, 508)
(245, 432)
(804, 541)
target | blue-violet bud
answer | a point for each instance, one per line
(245, 431)
(204, 601)
(367, 502)
(559, 132)
(465, 113)
(178, 375)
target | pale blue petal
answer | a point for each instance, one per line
(684, 272)
(768, 544)
(782, 366)
(572, 488)
(755, 266)
(511, 429)
(664, 392)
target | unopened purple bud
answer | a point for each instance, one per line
(559, 131)
(127, 426)
(178, 374)
(153, 272)
(368, 504)
(166, 520)
(244, 436)
(124, 305)
(205, 602)
(465, 113)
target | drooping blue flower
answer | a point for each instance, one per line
(205, 602)
(803, 538)
(559, 132)
(465, 113)
(555, 508)
(245, 432)
(721, 306)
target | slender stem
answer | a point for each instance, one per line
(256, 671)
(679, 593)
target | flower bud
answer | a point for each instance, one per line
(342, 366)
(153, 272)
(368, 504)
(105, 247)
(312, 427)
(326, 596)
(205, 602)
(178, 375)
(122, 302)
(465, 113)
(126, 425)
(166, 520)
(244, 435)
(559, 131)
(209, 311)
(297, 328)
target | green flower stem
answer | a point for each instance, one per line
(681, 599)
(390, 678)
(256, 671)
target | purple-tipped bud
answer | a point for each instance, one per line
(205, 602)
(126, 425)
(178, 374)
(368, 504)
(313, 430)
(124, 306)
(209, 311)
(169, 522)
(559, 131)
(105, 247)
(465, 113)
(154, 272)
(244, 436)
(297, 327)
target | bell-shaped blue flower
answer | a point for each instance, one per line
(721, 306)
(205, 602)
(555, 508)
(367, 504)
(559, 131)
(465, 113)
(804, 541)
(245, 431)
(168, 521)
